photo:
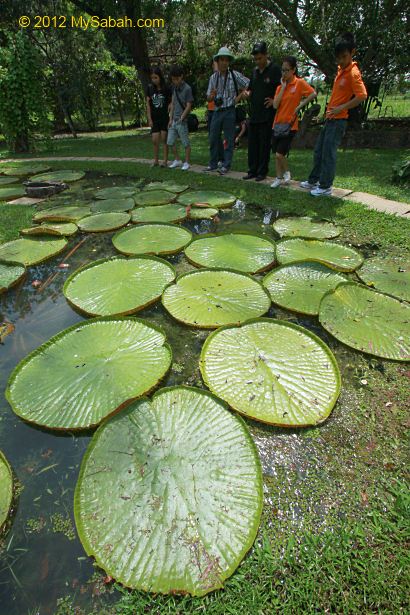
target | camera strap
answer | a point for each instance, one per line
(225, 80)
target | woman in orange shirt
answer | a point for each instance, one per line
(290, 97)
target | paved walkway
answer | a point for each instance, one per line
(369, 200)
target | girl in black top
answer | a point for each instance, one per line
(158, 103)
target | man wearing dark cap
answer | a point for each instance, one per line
(261, 91)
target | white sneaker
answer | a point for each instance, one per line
(185, 166)
(276, 182)
(175, 164)
(286, 177)
(321, 191)
(306, 184)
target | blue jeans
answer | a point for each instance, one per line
(223, 119)
(324, 158)
(220, 145)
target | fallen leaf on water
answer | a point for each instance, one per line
(5, 329)
(36, 283)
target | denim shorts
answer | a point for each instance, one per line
(178, 129)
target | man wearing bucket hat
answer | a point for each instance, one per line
(224, 89)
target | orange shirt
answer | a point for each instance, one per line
(348, 83)
(211, 105)
(294, 92)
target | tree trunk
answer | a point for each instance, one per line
(119, 105)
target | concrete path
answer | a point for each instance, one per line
(368, 200)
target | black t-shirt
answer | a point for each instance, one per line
(159, 101)
(263, 85)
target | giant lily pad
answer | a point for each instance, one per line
(31, 251)
(10, 274)
(6, 488)
(12, 192)
(60, 229)
(301, 286)
(367, 320)
(248, 253)
(88, 372)
(389, 275)
(65, 213)
(169, 496)
(110, 205)
(306, 227)
(152, 239)
(9, 180)
(116, 192)
(64, 176)
(168, 186)
(201, 213)
(154, 197)
(272, 371)
(159, 213)
(100, 223)
(212, 198)
(211, 298)
(24, 168)
(114, 286)
(336, 256)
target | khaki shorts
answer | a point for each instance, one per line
(178, 129)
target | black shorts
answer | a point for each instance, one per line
(160, 126)
(281, 145)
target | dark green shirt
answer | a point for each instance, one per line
(263, 85)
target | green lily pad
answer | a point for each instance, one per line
(210, 298)
(24, 169)
(213, 198)
(116, 192)
(168, 186)
(300, 286)
(334, 255)
(101, 223)
(60, 229)
(179, 502)
(10, 274)
(202, 213)
(112, 205)
(367, 321)
(88, 372)
(159, 213)
(64, 176)
(306, 227)
(389, 275)
(115, 286)
(152, 239)
(154, 197)
(29, 251)
(239, 251)
(272, 371)
(10, 193)
(9, 180)
(6, 489)
(65, 213)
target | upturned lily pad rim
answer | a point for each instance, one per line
(21, 277)
(117, 258)
(258, 483)
(373, 286)
(322, 261)
(295, 327)
(104, 213)
(140, 225)
(38, 238)
(61, 334)
(3, 459)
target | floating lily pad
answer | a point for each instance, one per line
(272, 371)
(10, 274)
(31, 251)
(168, 186)
(88, 372)
(300, 286)
(24, 169)
(101, 223)
(116, 192)
(154, 197)
(112, 205)
(169, 496)
(306, 227)
(212, 198)
(10, 193)
(64, 176)
(211, 298)
(152, 239)
(240, 251)
(65, 213)
(9, 180)
(389, 275)
(159, 213)
(334, 255)
(6, 489)
(202, 213)
(60, 229)
(115, 286)
(367, 321)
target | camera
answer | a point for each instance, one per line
(218, 100)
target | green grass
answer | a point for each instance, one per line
(12, 219)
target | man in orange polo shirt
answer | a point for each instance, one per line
(348, 92)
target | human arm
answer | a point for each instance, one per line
(186, 111)
(305, 101)
(211, 91)
(149, 117)
(350, 104)
(279, 94)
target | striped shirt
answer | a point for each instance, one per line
(227, 91)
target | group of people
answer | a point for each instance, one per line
(275, 96)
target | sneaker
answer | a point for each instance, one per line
(220, 164)
(286, 177)
(185, 166)
(260, 178)
(209, 169)
(175, 164)
(223, 171)
(318, 191)
(306, 184)
(249, 176)
(276, 182)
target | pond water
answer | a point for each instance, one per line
(41, 558)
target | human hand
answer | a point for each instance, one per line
(150, 123)
(283, 82)
(246, 93)
(268, 102)
(332, 112)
